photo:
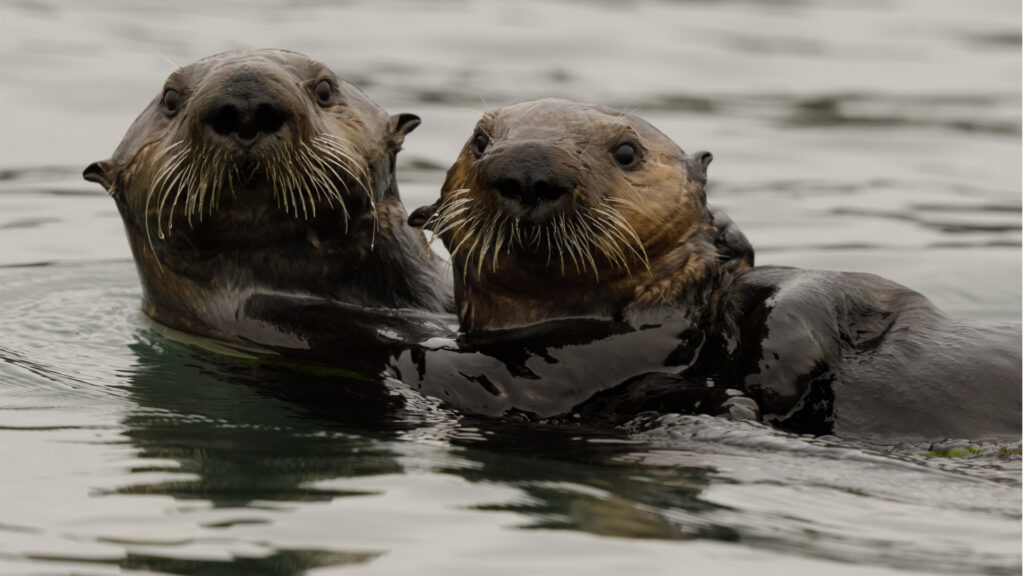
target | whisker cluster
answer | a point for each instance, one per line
(302, 177)
(481, 235)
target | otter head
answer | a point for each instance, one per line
(561, 209)
(257, 170)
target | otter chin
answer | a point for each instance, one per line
(264, 172)
(559, 209)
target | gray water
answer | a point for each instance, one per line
(878, 136)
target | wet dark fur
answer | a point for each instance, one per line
(860, 356)
(249, 223)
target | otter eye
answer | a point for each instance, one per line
(625, 155)
(480, 142)
(323, 92)
(172, 101)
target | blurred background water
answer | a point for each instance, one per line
(880, 136)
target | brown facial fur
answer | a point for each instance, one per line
(158, 138)
(265, 171)
(613, 238)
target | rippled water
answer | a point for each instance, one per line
(876, 136)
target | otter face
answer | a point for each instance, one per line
(265, 171)
(592, 191)
(242, 141)
(559, 208)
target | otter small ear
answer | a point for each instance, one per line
(101, 172)
(402, 124)
(422, 217)
(699, 162)
(697, 165)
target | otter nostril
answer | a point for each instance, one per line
(546, 190)
(531, 192)
(225, 119)
(509, 187)
(269, 118)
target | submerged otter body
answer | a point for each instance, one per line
(857, 355)
(263, 172)
(561, 215)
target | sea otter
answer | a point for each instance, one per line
(263, 174)
(558, 213)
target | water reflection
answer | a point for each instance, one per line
(247, 433)
(225, 424)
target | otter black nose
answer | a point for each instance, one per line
(246, 109)
(530, 174)
(531, 190)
